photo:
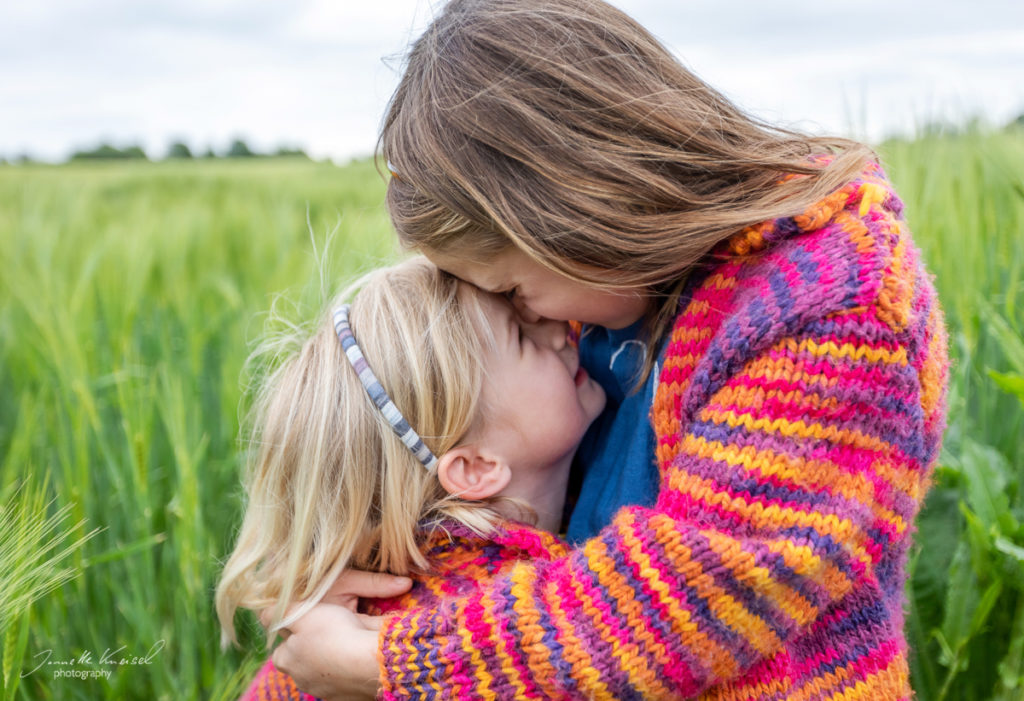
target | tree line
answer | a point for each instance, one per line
(177, 150)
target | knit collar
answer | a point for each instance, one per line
(531, 542)
(869, 189)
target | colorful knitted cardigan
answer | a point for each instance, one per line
(799, 413)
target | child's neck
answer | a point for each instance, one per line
(544, 491)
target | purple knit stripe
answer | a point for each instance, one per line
(690, 599)
(600, 648)
(765, 315)
(753, 488)
(761, 606)
(903, 429)
(581, 619)
(512, 637)
(865, 629)
(727, 521)
(563, 669)
(483, 638)
(659, 629)
(861, 383)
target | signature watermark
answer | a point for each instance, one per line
(89, 666)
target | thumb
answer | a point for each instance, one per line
(371, 622)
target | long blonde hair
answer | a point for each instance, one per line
(329, 485)
(563, 128)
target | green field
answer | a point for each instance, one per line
(131, 294)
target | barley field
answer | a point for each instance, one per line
(131, 295)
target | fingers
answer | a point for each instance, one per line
(282, 659)
(356, 583)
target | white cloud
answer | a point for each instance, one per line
(315, 72)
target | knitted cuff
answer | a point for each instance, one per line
(416, 655)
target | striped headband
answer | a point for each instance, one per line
(376, 390)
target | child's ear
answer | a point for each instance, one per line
(471, 473)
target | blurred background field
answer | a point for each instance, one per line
(131, 294)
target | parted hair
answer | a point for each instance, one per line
(565, 129)
(328, 484)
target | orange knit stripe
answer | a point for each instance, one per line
(808, 475)
(573, 650)
(538, 656)
(641, 676)
(890, 682)
(933, 372)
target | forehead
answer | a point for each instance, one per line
(486, 311)
(490, 275)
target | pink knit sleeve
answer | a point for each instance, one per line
(271, 684)
(794, 459)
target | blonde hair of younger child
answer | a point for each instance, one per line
(329, 484)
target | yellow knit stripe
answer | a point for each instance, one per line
(890, 682)
(757, 687)
(718, 281)
(573, 650)
(483, 678)
(819, 214)
(409, 661)
(871, 194)
(772, 517)
(722, 605)
(805, 562)
(641, 676)
(741, 396)
(505, 662)
(763, 581)
(811, 475)
(718, 657)
(857, 232)
(627, 661)
(538, 657)
(886, 683)
(689, 334)
(902, 476)
(845, 350)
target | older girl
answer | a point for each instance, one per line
(789, 401)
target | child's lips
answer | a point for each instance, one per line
(581, 376)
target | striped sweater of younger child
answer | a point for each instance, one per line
(798, 416)
(462, 563)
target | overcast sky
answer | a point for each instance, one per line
(317, 73)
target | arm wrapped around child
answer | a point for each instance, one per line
(798, 416)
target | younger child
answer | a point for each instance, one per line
(413, 433)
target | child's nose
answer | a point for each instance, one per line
(524, 312)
